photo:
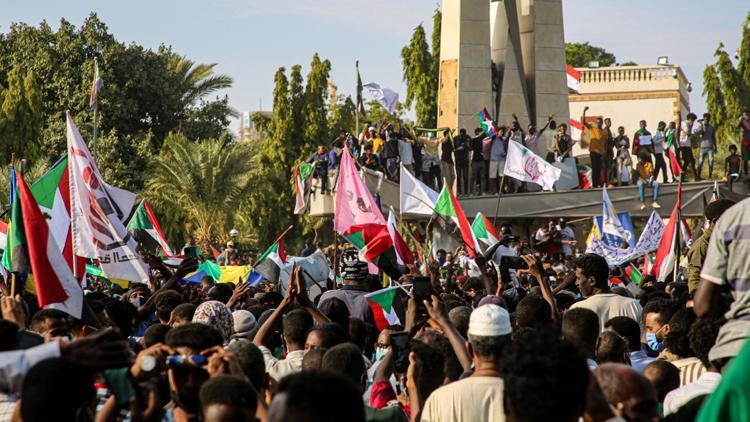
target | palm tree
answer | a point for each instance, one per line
(197, 80)
(201, 184)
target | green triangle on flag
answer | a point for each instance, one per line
(384, 299)
(444, 204)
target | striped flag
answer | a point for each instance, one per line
(484, 230)
(448, 206)
(146, 230)
(96, 85)
(574, 79)
(577, 133)
(669, 244)
(269, 264)
(381, 304)
(302, 175)
(715, 194)
(633, 274)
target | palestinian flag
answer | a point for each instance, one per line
(484, 230)
(302, 185)
(633, 274)
(448, 206)
(52, 193)
(669, 244)
(269, 264)
(14, 257)
(485, 122)
(145, 229)
(381, 304)
(96, 85)
(55, 284)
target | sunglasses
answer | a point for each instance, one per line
(182, 360)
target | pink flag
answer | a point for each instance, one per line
(354, 203)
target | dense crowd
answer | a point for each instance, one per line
(475, 164)
(531, 331)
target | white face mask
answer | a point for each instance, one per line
(136, 301)
(380, 352)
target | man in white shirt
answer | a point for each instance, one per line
(568, 237)
(295, 326)
(592, 276)
(477, 398)
(688, 130)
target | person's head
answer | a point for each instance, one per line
(628, 328)
(599, 122)
(251, 362)
(663, 376)
(580, 326)
(672, 125)
(295, 327)
(317, 395)
(706, 117)
(489, 333)
(50, 324)
(732, 149)
(459, 318)
(462, 131)
(746, 114)
(621, 130)
(562, 128)
(165, 302)
(452, 369)
(532, 312)
(156, 333)
(358, 332)
(642, 124)
(702, 337)
(221, 292)
(433, 366)
(478, 131)
(677, 340)
(346, 359)
(661, 125)
(121, 315)
(207, 282)
(244, 324)
(608, 122)
(228, 398)
(629, 393)
(182, 314)
(656, 316)
(336, 310)
(353, 269)
(715, 209)
(321, 149)
(691, 117)
(325, 336)
(187, 376)
(644, 156)
(592, 273)
(313, 359)
(540, 398)
(612, 347)
(58, 389)
(217, 315)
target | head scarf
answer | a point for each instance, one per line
(217, 315)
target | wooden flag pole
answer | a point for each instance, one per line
(335, 258)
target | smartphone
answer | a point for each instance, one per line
(421, 288)
(400, 350)
(513, 262)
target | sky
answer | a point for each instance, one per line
(249, 40)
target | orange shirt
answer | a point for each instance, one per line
(596, 139)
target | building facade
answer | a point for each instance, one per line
(248, 131)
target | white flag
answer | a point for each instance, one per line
(416, 197)
(386, 97)
(96, 212)
(522, 164)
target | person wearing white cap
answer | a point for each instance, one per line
(477, 398)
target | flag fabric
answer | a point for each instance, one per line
(715, 193)
(686, 233)
(673, 163)
(55, 284)
(96, 85)
(648, 263)
(381, 304)
(633, 274)
(403, 253)
(585, 179)
(3, 235)
(485, 122)
(522, 164)
(269, 264)
(627, 225)
(52, 193)
(448, 206)
(14, 258)
(577, 130)
(648, 242)
(484, 230)
(360, 102)
(302, 185)
(388, 98)
(665, 256)
(354, 203)
(98, 231)
(145, 228)
(416, 198)
(215, 252)
(574, 79)
(611, 224)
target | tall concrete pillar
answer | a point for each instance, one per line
(465, 65)
(551, 87)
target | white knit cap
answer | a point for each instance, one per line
(489, 321)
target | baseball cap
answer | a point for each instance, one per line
(489, 321)
(371, 128)
(493, 300)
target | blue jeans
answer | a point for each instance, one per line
(642, 190)
(708, 151)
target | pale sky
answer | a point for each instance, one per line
(250, 39)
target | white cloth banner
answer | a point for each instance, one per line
(416, 198)
(388, 98)
(522, 164)
(98, 231)
(648, 242)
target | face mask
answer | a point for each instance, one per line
(136, 301)
(653, 343)
(380, 352)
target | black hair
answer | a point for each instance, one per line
(316, 395)
(232, 391)
(534, 368)
(155, 333)
(489, 347)
(346, 359)
(358, 332)
(662, 307)
(40, 317)
(251, 361)
(8, 335)
(677, 340)
(702, 336)
(715, 209)
(663, 375)
(165, 302)
(452, 368)
(593, 265)
(564, 299)
(336, 310)
(184, 311)
(296, 325)
(195, 336)
(459, 318)
(580, 326)
(433, 365)
(332, 334)
(692, 116)
(121, 314)
(611, 347)
(533, 311)
(61, 385)
(628, 328)
(473, 283)
(313, 359)
(221, 292)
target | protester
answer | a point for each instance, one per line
(697, 254)
(645, 171)
(478, 164)
(707, 145)
(744, 126)
(732, 166)
(597, 139)
(689, 134)
(462, 144)
(623, 160)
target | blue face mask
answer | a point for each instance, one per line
(653, 343)
(380, 352)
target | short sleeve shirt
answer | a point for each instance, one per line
(596, 139)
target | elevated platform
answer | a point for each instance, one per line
(572, 204)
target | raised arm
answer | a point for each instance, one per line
(583, 117)
(304, 300)
(546, 124)
(436, 311)
(536, 272)
(263, 334)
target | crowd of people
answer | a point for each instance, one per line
(547, 334)
(475, 164)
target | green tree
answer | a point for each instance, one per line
(316, 107)
(715, 102)
(580, 54)
(418, 66)
(342, 116)
(297, 101)
(20, 116)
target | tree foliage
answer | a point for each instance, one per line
(20, 116)
(421, 70)
(580, 54)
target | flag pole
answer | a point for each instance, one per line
(335, 258)
(356, 112)
(678, 228)
(96, 113)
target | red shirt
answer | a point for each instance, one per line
(382, 395)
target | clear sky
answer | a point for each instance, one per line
(250, 39)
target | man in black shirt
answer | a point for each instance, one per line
(478, 165)
(461, 154)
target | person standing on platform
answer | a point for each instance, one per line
(708, 145)
(744, 126)
(609, 155)
(461, 155)
(642, 140)
(478, 166)
(658, 143)
(688, 131)
(623, 160)
(597, 137)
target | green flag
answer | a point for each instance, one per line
(14, 255)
